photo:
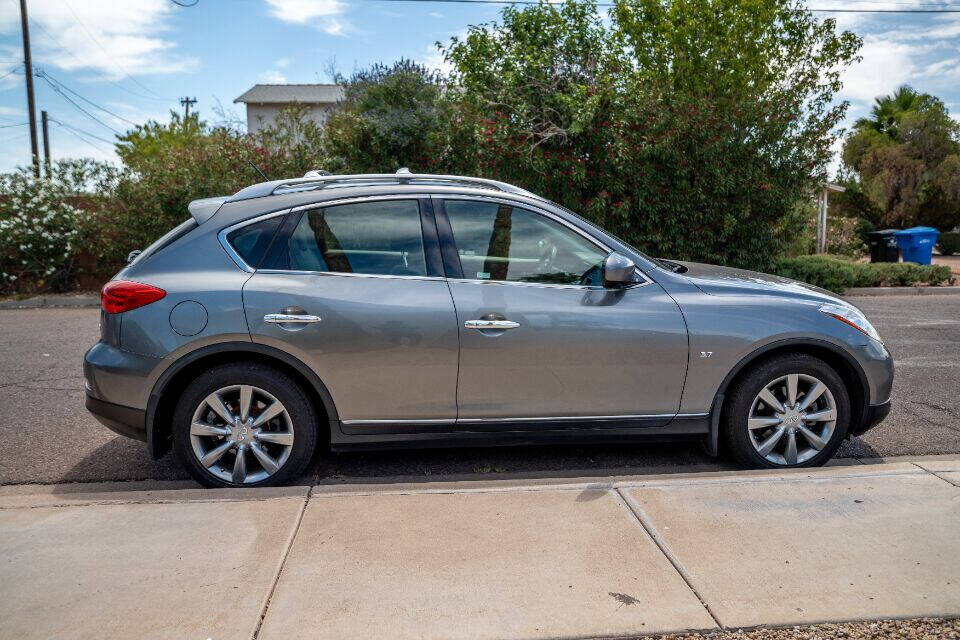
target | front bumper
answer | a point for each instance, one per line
(126, 421)
(873, 414)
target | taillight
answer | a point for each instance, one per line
(118, 296)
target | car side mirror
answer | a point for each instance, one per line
(618, 270)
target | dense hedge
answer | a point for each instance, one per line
(949, 243)
(837, 274)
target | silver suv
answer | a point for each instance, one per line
(379, 310)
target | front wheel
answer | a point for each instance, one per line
(790, 411)
(244, 425)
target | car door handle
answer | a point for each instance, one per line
(490, 324)
(290, 318)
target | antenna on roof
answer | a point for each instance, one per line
(257, 169)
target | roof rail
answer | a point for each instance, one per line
(316, 180)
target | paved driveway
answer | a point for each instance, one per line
(47, 435)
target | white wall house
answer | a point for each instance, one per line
(264, 101)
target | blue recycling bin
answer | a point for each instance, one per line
(916, 244)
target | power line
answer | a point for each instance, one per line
(97, 42)
(78, 130)
(90, 102)
(81, 109)
(610, 4)
(19, 124)
(82, 139)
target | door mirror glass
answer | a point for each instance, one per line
(618, 270)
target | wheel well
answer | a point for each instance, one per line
(159, 424)
(852, 379)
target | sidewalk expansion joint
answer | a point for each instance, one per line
(283, 561)
(934, 473)
(658, 540)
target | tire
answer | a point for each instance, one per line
(275, 452)
(749, 422)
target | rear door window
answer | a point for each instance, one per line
(381, 237)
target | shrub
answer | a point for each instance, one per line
(949, 243)
(644, 122)
(838, 274)
(38, 233)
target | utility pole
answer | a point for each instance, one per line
(185, 102)
(46, 142)
(28, 67)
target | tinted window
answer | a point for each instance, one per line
(379, 238)
(251, 242)
(501, 242)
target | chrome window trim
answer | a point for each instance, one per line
(552, 216)
(543, 285)
(347, 275)
(355, 199)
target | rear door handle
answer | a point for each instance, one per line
(290, 318)
(490, 324)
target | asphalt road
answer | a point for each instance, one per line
(47, 436)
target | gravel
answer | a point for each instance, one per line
(916, 629)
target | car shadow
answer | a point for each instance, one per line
(528, 461)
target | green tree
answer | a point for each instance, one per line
(906, 157)
(390, 117)
(690, 128)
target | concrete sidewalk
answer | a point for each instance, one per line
(502, 559)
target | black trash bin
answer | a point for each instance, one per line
(883, 246)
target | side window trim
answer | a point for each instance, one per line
(448, 247)
(431, 239)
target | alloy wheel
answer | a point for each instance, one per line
(241, 434)
(792, 419)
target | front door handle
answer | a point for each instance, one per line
(290, 318)
(490, 324)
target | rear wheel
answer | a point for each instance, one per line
(244, 425)
(790, 411)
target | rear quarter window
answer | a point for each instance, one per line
(252, 241)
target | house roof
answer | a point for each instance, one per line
(288, 93)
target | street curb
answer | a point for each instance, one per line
(50, 302)
(901, 291)
(165, 491)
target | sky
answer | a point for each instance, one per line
(111, 63)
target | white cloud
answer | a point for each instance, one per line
(304, 11)
(886, 65)
(113, 38)
(321, 14)
(273, 76)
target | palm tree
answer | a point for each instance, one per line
(889, 110)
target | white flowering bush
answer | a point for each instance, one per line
(39, 232)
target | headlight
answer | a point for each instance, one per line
(852, 317)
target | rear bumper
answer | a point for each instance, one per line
(873, 414)
(126, 421)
